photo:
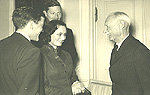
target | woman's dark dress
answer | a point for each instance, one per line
(59, 73)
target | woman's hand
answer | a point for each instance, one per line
(77, 87)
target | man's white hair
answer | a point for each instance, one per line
(119, 16)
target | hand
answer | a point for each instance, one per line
(77, 87)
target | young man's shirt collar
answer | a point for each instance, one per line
(24, 35)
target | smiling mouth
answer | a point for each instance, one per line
(61, 41)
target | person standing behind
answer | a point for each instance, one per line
(53, 11)
(20, 64)
(130, 59)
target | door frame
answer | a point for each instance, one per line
(87, 34)
(11, 9)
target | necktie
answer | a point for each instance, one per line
(115, 47)
(114, 53)
(56, 51)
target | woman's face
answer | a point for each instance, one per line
(59, 36)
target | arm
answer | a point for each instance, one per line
(28, 72)
(77, 86)
(74, 77)
(142, 64)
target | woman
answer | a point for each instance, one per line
(59, 73)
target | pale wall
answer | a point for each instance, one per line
(4, 18)
(147, 22)
(77, 18)
(71, 17)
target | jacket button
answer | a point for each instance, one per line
(25, 88)
(56, 57)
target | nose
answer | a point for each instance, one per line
(42, 30)
(57, 16)
(105, 31)
(63, 37)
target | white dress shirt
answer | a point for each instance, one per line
(24, 35)
(119, 44)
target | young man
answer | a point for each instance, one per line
(20, 60)
(130, 59)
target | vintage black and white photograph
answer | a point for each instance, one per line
(74, 47)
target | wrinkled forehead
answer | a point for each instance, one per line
(111, 20)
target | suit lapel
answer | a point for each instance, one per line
(119, 54)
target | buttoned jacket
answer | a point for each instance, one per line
(59, 73)
(130, 69)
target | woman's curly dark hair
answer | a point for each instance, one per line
(49, 29)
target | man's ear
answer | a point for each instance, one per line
(31, 25)
(122, 24)
(45, 13)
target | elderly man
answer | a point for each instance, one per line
(20, 60)
(130, 59)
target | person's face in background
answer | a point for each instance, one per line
(53, 13)
(59, 36)
(37, 29)
(112, 29)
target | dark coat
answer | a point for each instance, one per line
(69, 46)
(59, 73)
(130, 69)
(19, 66)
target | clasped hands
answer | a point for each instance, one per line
(78, 87)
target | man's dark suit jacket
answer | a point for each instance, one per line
(19, 66)
(130, 69)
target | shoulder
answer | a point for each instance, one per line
(133, 46)
(66, 57)
(133, 43)
(138, 46)
(17, 42)
(65, 54)
(44, 49)
(69, 31)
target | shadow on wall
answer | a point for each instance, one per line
(132, 29)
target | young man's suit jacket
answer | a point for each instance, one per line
(130, 69)
(19, 66)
